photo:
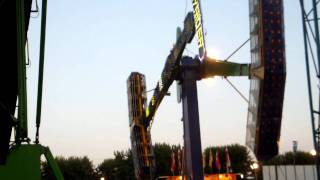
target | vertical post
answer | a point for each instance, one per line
(22, 130)
(316, 29)
(255, 174)
(276, 168)
(294, 149)
(41, 64)
(192, 139)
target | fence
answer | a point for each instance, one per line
(289, 172)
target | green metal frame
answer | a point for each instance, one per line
(24, 162)
(22, 126)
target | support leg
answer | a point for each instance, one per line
(192, 138)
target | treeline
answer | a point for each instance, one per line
(78, 168)
(291, 158)
(120, 167)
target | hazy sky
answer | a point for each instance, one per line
(92, 46)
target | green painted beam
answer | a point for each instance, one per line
(212, 67)
(52, 163)
(22, 130)
(41, 65)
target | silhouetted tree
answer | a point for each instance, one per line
(72, 168)
(162, 153)
(119, 168)
(290, 158)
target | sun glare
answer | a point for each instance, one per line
(213, 53)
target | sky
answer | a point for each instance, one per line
(93, 46)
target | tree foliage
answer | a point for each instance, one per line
(290, 158)
(162, 152)
(120, 167)
(72, 168)
(239, 157)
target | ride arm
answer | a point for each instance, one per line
(212, 67)
(170, 69)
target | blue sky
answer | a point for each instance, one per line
(92, 47)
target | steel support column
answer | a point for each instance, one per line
(192, 138)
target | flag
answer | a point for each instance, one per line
(210, 159)
(204, 160)
(179, 161)
(183, 161)
(173, 162)
(218, 165)
(228, 163)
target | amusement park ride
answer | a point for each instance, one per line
(267, 73)
(20, 159)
